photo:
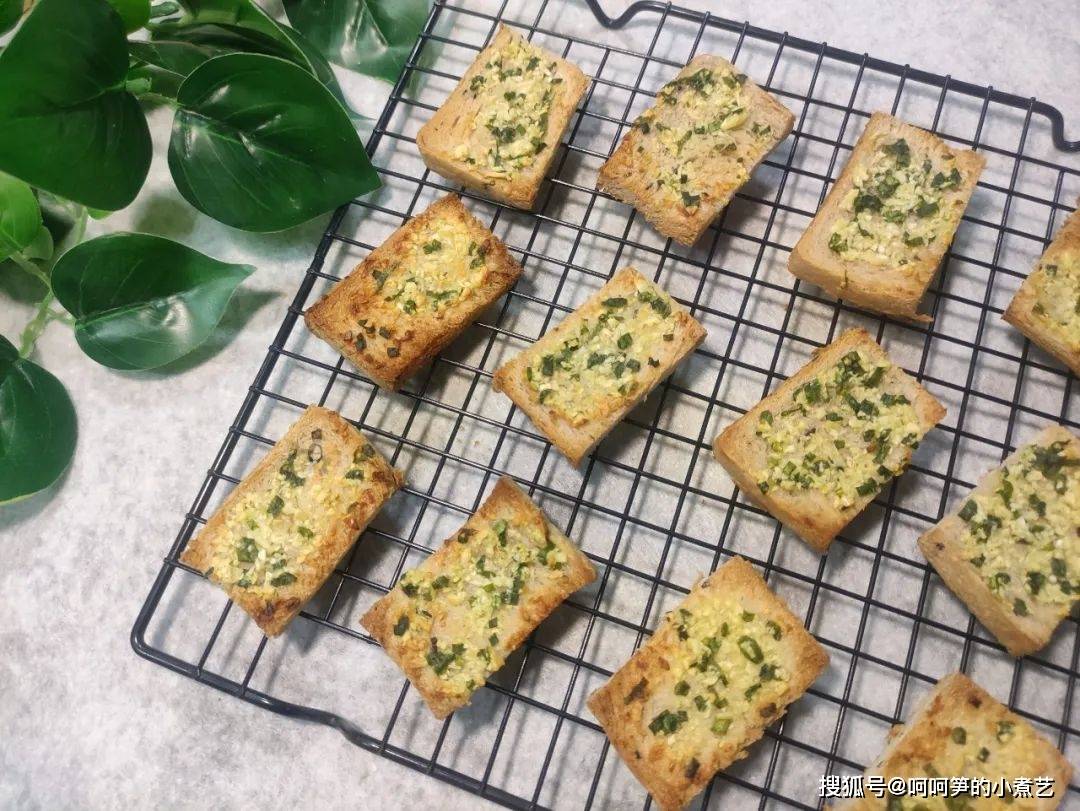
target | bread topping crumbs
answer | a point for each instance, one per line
(1057, 295)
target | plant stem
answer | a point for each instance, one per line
(36, 326)
(31, 268)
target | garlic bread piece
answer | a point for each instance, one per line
(816, 451)
(685, 157)
(499, 129)
(1046, 308)
(721, 667)
(452, 621)
(960, 730)
(581, 378)
(277, 537)
(415, 293)
(881, 233)
(1012, 550)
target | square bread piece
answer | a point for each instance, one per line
(1012, 550)
(817, 450)
(453, 620)
(580, 379)
(881, 233)
(960, 730)
(415, 293)
(1046, 308)
(277, 537)
(685, 157)
(721, 667)
(499, 129)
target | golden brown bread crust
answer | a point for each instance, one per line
(437, 138)
(621, 714)
(340, 441)
(892, 291)
(942, 546)
(1021, 314)
(958, 702)
(628, 174)
(509, 502)
(811, 515)
(334, 318)
(576, 442)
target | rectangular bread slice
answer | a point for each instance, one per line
(817, 450)
(685, 157)
(881, 233)
(721, 667)
(581, 378)
(415, 293)
(1011, 552)
(500, 127)
(452, 621)
(960, 730)
(1046, 308)
(279, 534)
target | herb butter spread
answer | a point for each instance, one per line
(1022, 532)
(273, 534)
(514, 92)
(845, 433)
(597, 369)
(725, 664)
(898, 206)
(438, 266)
(694, 122)
(466, 610)
(1057, 295)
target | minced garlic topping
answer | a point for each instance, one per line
(463, 610)
(597, 370)
(897, 207)
(845, 434)
(1024, 535)
(515, 91)
(692, 124)
(1057, 291)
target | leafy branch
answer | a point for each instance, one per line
(262, 140)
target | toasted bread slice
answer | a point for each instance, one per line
(721, 667)
(960, 730)
(415, 293)
(685, 157)
(279, 534)
(881, 233)
(580, 379)
(453, 621)
(817, 450)
(499, 129)
(1046, 308)
(1012, 550)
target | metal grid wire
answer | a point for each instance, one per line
(650, 506)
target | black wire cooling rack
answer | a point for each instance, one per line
(651, 507)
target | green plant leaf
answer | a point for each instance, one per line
(20, 216)
(10, 13)
(66, 124)
(134, 13)
(142, 301)
(371, 36)
(260, 144)
(164, 64)
(37, 426)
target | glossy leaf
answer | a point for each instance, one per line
(20, 216)
(164, 64)
(142, 301)
(10, 13)
(134, 13)
(37, 426)
(66, 124)
(371, 36)
(260, 144)
(210, 30)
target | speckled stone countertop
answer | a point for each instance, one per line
(84, 722)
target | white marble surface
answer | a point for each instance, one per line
(85, 723)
